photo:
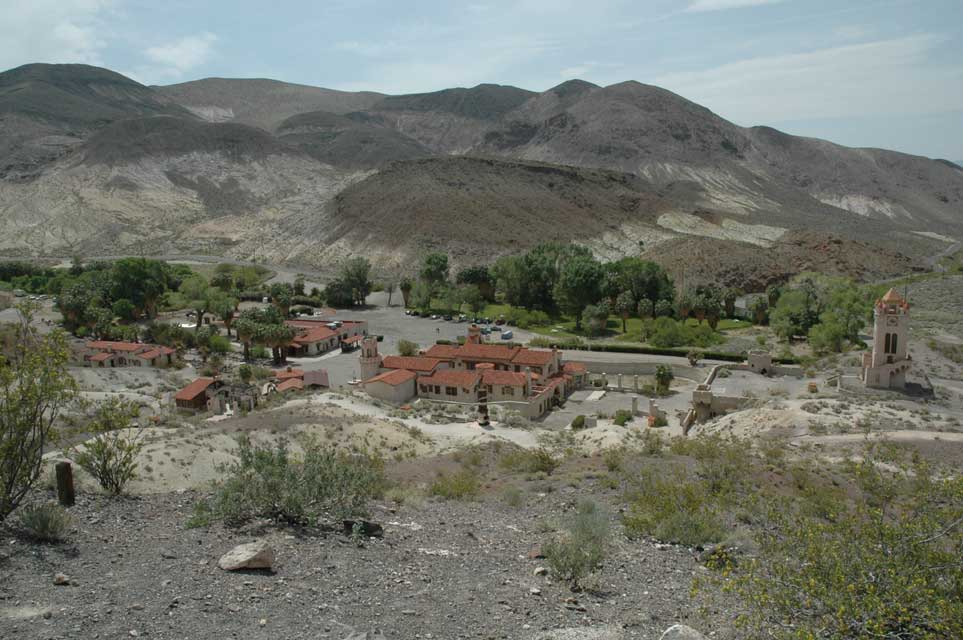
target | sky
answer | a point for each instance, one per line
(873, 73)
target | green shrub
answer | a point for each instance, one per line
(672, 508)
(539, 460)
(512, 496)
(613, 457)
(274, 483)
(111, 455)
(886, 567)
(462, 485)
(652, 442)
(581, 546)
(48, 522)
(622, 417)
(578, 423)
(219, 344)
(407, 348)
(260, 352)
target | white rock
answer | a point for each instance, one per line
(60, 580)
(540, 571)
(681, 632)
(254, 555)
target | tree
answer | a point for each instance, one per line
(34, 388)
(281, 297)
(625, 306)
(390, 289)
(793, 315)
(578, 286)
(434, 270)
(197, 295)
(829, 335)
(420, 297)
(407, 348)
(111, 455)
(355, 275)
(479, 276)
(773, 292)
(512, 279)
(473, 297)
(663, 379)
(663, 309)
(338, 294)
(729, 297)
(759, 308)
(299, 284)
(405, 287)
(123, 309)
(140, 280)
(595, 317)
(223, 306)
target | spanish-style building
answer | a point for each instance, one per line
(317, 337)
(530, 381)
(107, 353)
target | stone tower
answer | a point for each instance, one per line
(370, 360)
(474, 334)
(886, 366)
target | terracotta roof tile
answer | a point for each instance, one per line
(442, 351)
(149, 355)
(285, 374)
(533, 357)
(290, 383)
(573, 367)
(394, 377)
(487, 352)
(100, 357)
(109, 345)
(194, 389)
(412, 363)
(453, 378)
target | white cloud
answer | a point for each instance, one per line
(53, 31)
(895, 77)
(577, 71)
(183, 54)
(721, 5)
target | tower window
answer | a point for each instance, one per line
(893, 343)
(886, 348)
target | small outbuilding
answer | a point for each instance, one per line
(396, 386)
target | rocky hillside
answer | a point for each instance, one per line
(94, 162)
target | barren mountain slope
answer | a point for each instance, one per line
(655, 133)
(346, 141)
(46, 110)
(476, 209)
(261, 102)
(159, 185)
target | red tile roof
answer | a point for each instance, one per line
(100, 357)
(394, 377)
(442, 351)
(109, 345)
(286, 374)
(504, 378)
(412, 363)
(353, 339)
(315, 334)
(194, 389)
(290, 383)
(573, 367)
(453, 378)
(486, 352)
(149, 355)
(529, 357)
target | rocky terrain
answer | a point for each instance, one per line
(96, 163)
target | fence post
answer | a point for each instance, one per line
(65, 484)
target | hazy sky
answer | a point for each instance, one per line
(886, 73)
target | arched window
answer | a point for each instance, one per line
(893, 343)
(889, 336)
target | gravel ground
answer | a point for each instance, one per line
(442, 570)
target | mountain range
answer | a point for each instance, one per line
(94, 163)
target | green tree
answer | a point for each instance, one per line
(625, 306)
(595, 317)
(578, 286)
(245, 373)
(407, 348)
(759, 308)
(355, 274)
(404, 285)
(829, 335)
(390, 289)
(434, 271)
(281, 297)
(729, 297)
(473, 297)
(34, 388)
(299, 284)
(140, 280)
(663, 379)
(123, 309)
(197, 294)
(223, 306)
(480, 277)
(792, 316)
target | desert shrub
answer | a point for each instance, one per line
(886, 567)
(578, 423)
(34, 387)
(260, 352)
(652, 442)
(512, 496)
(622, 417)
(111, 455)
(581, 546)
(539, 460)
(274, 483)
(672, 508)
(613, 458)
(219, 344)
(48, 522)
(461, 485)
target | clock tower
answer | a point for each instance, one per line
(886, 366)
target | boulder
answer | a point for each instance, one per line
(61, 580)
(681, 632)
(254, 555)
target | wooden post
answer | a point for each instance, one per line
(65, 484)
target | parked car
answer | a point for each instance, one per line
(507, 335)
(486, 331)
(500, 321)
(407, 312)
(434, 316)
(462, 318)
(487, 320)
(447, 318)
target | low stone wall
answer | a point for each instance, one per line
(643, 369)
